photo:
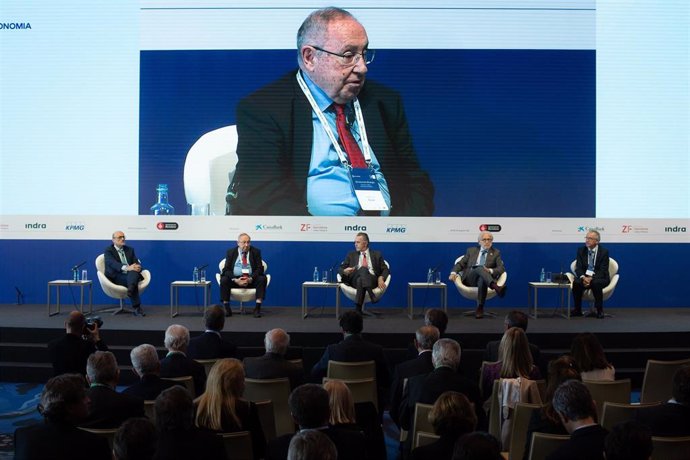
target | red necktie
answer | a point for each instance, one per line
(364, 260)
(349, 143)
(244, 258)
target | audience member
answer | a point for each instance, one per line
(437, 318)
(477, 446)
(628, 441)
(515, 318)
(590, 359)
(64, 405)
(273, 365)
(176, 363)
(311, 445)
(673, 417)
(211, 344)
(70, 352)
(178, 438)
(451, 416)
(147, 367)
(108, 408)
(341, 405)
(221, 407)
(574, 405)
(514, 360)
(135, 440)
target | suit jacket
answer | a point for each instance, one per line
(59, 441)
(248, 415)
(70, 352)
(601, 263)
(420, 365)
(349, 444)
(192, 443)
(179, 365)
(210, 345)
(254, 257)
(149, 387)
(493, 261)
(273, 366)
(113, 264)
(275, 131)
(668, 419)
(437, 450)
(587, 442)
(109, 408)
(377, 262)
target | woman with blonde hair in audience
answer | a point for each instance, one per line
(221, 407)
(515, 360)
(341, 403)
(590, 358)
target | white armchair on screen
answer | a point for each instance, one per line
(209, 170)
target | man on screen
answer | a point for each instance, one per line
(592, 272)
(320, 141)
(243, 268)
(364, 269)
(124, 268)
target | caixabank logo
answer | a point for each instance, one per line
(585, 229)
(268, 228)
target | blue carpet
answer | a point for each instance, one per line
(18, 403)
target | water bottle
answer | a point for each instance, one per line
(162, 207)
(542, 276)
(75, 275)
(195, 275)
(430, 276)
(316, 274)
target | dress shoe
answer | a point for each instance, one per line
(228, 311)
(600, 315)
(257, 312)
(577, 313)
(138, 311)
(591, 314)
(479, 313)
(373, 298)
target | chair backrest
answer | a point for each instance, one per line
(276, 391)
(671, 448)
(107, 433)
(521, 418)
(267, 418)
(362, 390)
(613, 267)
(207, 363)
(238, 445)
(617, 391)
(470, 292)
(495, 411)
(421, 422)
(298, 361)
(149, 410)
(615, 413)
(351, 370)
(481, 375)
(543, 444)
(424, 438)
(657, 384)
(187, 380)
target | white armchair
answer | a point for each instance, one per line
(607, 291)
(471, 293)
(115, 290)
(243, 295)
(351, 292)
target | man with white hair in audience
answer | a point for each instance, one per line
(273, 364)
(176, 363)
(147, 367)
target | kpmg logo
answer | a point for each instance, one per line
(15, 26)
(355, 228)
(35, 226)
(396, 229)
(75, 227)
(264, 227)
(585, 228)
(675, 229)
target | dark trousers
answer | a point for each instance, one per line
(482, 279)
(226, 284)
(597, 286)
(363, 281)
(130, 280)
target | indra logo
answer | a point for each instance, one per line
(355, 228)
(396, 229)
(35, 226)
(15, 25)
(675, 229)
(75, 227)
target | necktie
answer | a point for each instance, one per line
(590, 264)
(364, 260)
(244, 258)
(123, 259)
(354, 153)
(482, 257)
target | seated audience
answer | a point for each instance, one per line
(515, 318)
(590, 359)
(628, 441)
(135, 440)
(451, 416)
(673, 417)
(477, 446)
(70, 352)
(147, 367)
(311, 445)
(176, 363)
(108, 408)
(273, 364)
(221, 407)
(64, 405)
(211, 344)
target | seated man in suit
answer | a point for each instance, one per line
(64, 405)
(210, 344)
(481, 266)
(243, 268)
(628, 441)
(135, 439)
(312, 445)
(673, 417)
(70, 352)
(273, 364)
(514, 318)
(124, 268)
(364, 269)
(108, 408)
(591, 272)
(176, 363)
(573, 403)
(147, 367)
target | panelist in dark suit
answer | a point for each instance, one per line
(243, 268)
(124, 268)
(147, 367)
(481, 266)
(591, 272)
(671, 418)
(176, 363)
(210, 344)
(70, 352)
(364, 269)
(273, 364)
(302, 137)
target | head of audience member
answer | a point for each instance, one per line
(135, 440)
(145, 360)
(436, 317)
(311, 445)
(176, 338)
(446, 353)
(516, 318)
(573, 403)
(477, 445)
(340, 401)
(214, 318)
(592, 239)
(351, 322)
(452, 415)
(681, 386)
(485, 240)
(560, 370)
(514, 354)
(75, 323)
(425, 338)
(224, 386)
(628, 441)
(588, 352)
(277, 341)
(64, 400)
(309, 406)
(174, 410)
(102, 368)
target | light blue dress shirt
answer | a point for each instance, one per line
(237, 269)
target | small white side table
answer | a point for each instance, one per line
(535, 286)
(318, 284)
(443, 289)
(57, 284)
(174, 294)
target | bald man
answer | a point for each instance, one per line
(273, 364)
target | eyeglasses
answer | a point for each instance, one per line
(487, 239)
(119, 237)
(349, 59)
(590, 238)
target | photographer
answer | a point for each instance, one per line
(70, 352)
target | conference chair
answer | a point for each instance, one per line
(521, 418)
(266, 418)
(481, 377)
(363, 390)
(107, 433)
(351, 370)
(277, 391)
(471, 293)
(351, 292)
(543, 444)
(615, 413)
(607, 291)
(502, 405)
(209, 169)
(670, 448)
(617, 391)
(186, 380)
(657, 384)
(115, 290)
(149, 410)
(243, 295)
(421, 422)
(424, 438)
(207, 363)
(238, 445)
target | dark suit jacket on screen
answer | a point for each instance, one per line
(210, 345)
(179, 365)
(273, 366)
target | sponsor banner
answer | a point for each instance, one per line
(380, 229)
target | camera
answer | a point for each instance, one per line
(92, 322)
